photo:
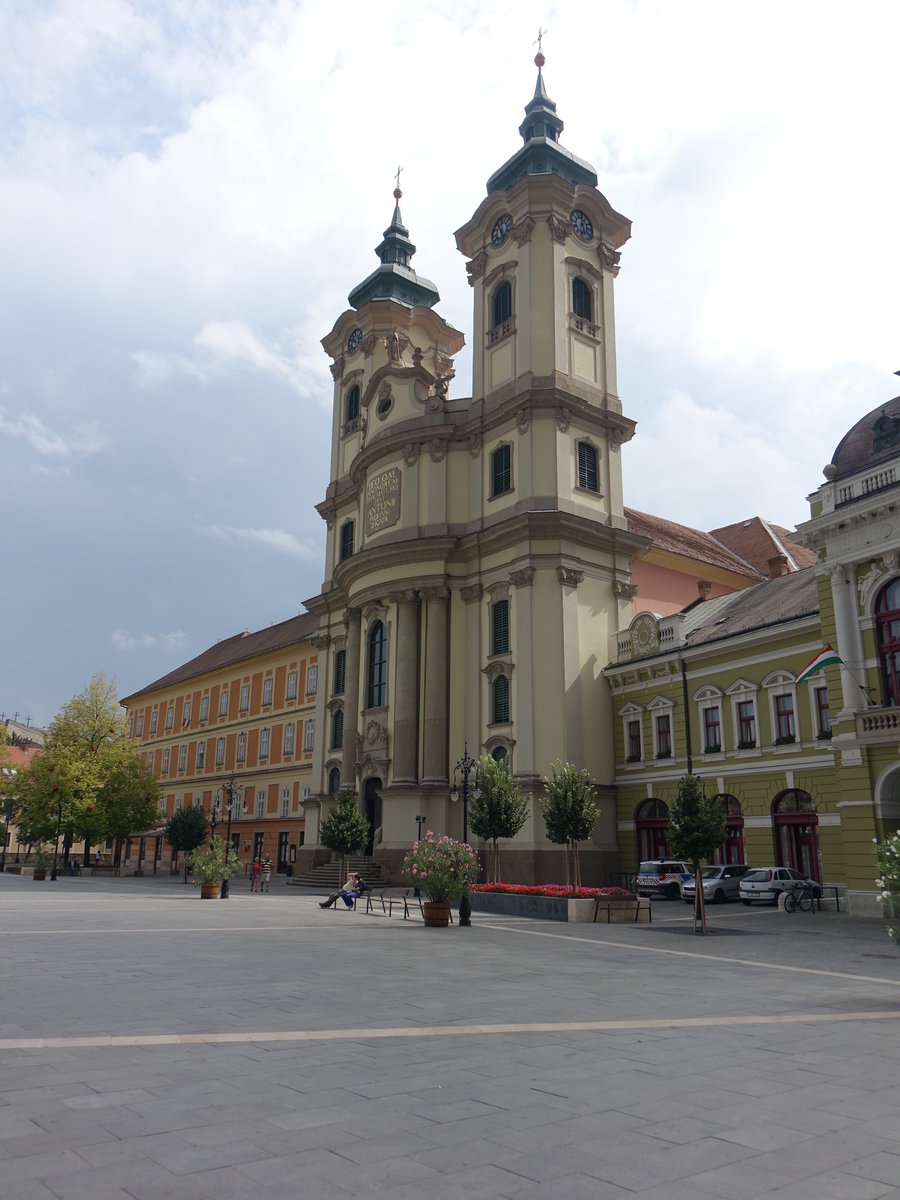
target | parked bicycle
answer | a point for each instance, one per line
(802, 896)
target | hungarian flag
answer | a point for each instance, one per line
(825, 658)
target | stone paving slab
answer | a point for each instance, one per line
(643, 1060)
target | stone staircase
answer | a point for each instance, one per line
(326, 876)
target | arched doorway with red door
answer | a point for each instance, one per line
(732, 849)
(651, 820)
(795, 827)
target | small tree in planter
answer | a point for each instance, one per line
(442, 868)
(499, 811)
(345, 830)
(215, 861)
(570, 813)
(696, 830)
(186, 829)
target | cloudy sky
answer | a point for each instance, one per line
(189, 191)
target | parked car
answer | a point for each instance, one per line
(720, 883)
(661, 877)
(767, 883)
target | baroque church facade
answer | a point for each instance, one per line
(478, 553)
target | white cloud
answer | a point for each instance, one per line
(123, 639)
(272, 539)
(81, 442)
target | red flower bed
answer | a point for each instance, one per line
(557, 890)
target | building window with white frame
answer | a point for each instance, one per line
(264, 743)
(140, 725)
(182, 758)
(312, 680)
(223, 703)
(287, 744)
(245, 698)
(785, 730)
(204, 708)
(267, 690)
(201, 755)
(241, 747)
(822, 713)
(186, 715)
(309, 735)
(663, 735)
(220, 751)
(712, 729)
(170, 718)
(154, 716)
(633, 743)
(291, 693)
(285, 802)
(260, 804)
(149, 760)
(179, 803)
(746, 724)
(165, 761)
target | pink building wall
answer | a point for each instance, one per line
(664, 591)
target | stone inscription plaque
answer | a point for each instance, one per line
(383, 501)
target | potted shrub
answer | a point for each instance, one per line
(442, 869)
(212, 863)
(888, 855)
(41, 863)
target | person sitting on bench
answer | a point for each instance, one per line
(351, 890)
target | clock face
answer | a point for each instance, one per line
(354, 341)
(501, 230)
(581, 223)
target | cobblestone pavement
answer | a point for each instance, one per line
(153, 1045)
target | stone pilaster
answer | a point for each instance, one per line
(405, 756)
(434, 750)
(353, 622)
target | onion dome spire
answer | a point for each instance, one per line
(395, 279)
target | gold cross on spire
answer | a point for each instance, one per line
(397, 184)
(539, 39)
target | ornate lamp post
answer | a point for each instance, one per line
(464, 768)
(230, 796)
(8, 780)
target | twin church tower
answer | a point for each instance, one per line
(478, 558)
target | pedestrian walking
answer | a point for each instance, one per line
(266, 875)
(255, 872)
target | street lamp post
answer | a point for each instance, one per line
(56, 843)
(9, 774)
(231, 795)
(464, 768)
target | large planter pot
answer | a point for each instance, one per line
(39, 873)
(437, 913)
(210, 891)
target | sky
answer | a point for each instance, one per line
(190, 191)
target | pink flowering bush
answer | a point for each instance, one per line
(440, 867)
(556, 890)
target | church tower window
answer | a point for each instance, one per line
(346, 540)
(340, 671)
(352, 403)
(502, 303)
(582, 300)
(337, 730)
(500, 627)
(587, 467)
(501, 470)
(377, 674)
(500, 706)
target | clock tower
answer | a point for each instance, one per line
(477, 553)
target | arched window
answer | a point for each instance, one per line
(340, 671)
(887, 616)
(582, 300)
(377, 675)
(352, 404)
(502, 303)
(732, 849)
(346, 540)
(499, 754)
(500, 706)
(795, 823)
(334, 781)
(337, 730)
(652, 821)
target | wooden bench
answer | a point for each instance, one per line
(105, 869)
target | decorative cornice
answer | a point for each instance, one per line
(337, 367)
(475, 268)
(321, 641)
(521, 233)
(471, 593)
(609, 258)
(523, 578)
(559, 229)
(435, 593)
(568, 577)
(368, 344)
(623, 590)
(498, 667)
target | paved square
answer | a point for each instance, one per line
(155, 1045)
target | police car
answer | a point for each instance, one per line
(662, 877)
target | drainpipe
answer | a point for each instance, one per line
(687, 715)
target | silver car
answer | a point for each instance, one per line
(720, 883)
(767, 883)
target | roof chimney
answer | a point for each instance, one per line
(778, 565)
(704, 587)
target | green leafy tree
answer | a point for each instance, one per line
(696, 831)
(186, 829)
(570, 812)
(215, 862)
(498, 811)
(345, 830)
(90, 781)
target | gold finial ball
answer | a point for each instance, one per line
(397, 193)
(539, 60)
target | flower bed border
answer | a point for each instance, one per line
(619, 909)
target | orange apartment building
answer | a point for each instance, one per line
(241, 713)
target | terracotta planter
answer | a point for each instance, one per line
(210, 891)
(437, 913)
(40, 873)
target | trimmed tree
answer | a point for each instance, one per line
(696, 830)
(569, 811)
(499, 811)
(186, 829)
(345, 830)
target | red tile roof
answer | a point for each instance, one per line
(756, 541)
(238, 648)
(691, 543)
